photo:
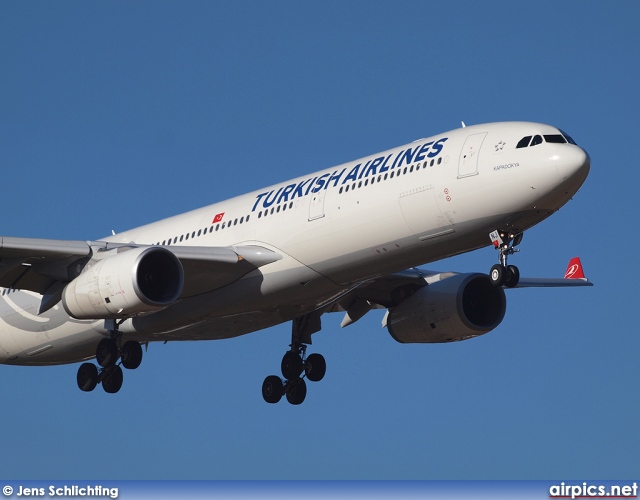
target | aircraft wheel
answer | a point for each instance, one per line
(87, 377)
(131, 355)
(296, 391)
(107, 353)
(512, 276)
(272, 389)
(291, 365)
(112, 382)
(315, 367)
(497, 274)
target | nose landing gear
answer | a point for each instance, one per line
(502, 274)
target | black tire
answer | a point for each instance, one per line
(291, 365)
(296, 391)
(512, 277)
(497, 274)
(131, 355)
(87, 377)
(272, 389)
(315, 367)
(112, 382)
(107, 353)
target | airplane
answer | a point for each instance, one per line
(346, 239)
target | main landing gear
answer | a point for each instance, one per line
(110, 375)
(502, 274)
(296, 366)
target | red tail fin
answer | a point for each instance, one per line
(574, 269)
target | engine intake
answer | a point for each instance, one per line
(456, 308)
(129, 283)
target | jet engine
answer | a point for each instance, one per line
(456, 308)
(131, 282)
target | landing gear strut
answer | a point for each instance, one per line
(296, 366)
(503, 274)
(109, 351)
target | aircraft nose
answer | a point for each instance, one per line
(573, 164)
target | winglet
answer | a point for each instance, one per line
(574, 270)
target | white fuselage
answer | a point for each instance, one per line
(404, 207)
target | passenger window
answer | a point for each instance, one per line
(524, 142)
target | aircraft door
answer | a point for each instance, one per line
(316, 205)
(422, 214)
(468, 162)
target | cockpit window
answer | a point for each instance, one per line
(551, 138)
(555, 138)
(568, 138)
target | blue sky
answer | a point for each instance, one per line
(116, 114)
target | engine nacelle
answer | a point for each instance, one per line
(131, 282)
(456, 308)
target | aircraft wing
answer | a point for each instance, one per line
(574, 276)
(208, 268)
(551, 282)
(36, 264)
(390, 290)
(45, 266)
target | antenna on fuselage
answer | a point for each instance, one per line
(463, 125)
